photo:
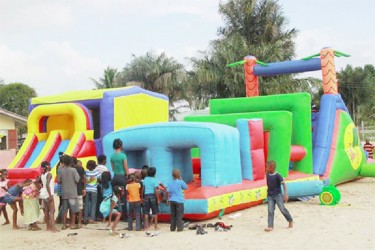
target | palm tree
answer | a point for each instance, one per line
(255, 27)
(158, 73)
(108, 81)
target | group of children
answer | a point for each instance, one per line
(89, 196)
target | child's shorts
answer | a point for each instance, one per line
(80, 202)
(72, 204)
(106, 213)
(2, 202)
(8, 199)
(150, 202)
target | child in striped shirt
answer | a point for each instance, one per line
(92, 175)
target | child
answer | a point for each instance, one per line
(274, 195)
(101, 168)
(102, 160)
(106, 184)
(134, 200)
(91, 191)
(46, 195)
(68, 178)
(109, 207)
(150, 201)
(106, 188)
(138, 176)
(81, 188)
(176, 200)
(3, 190)
(13, 196)
(59, 191)
(31, 204)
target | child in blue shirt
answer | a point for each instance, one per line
(150, 201)
(176, 200)
(106, 184)
(111, 206)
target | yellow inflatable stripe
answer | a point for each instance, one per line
(72, 96)
(49, 144)
(244, 196)
(239, 197)
(311, 178)
(22, 150)
(42, 136)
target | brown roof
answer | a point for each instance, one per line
(18, 118)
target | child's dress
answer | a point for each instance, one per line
(105, 206)
(31, 204)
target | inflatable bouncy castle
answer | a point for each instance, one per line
(74, 123)
(222, 155)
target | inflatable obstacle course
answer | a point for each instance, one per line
(313, 150)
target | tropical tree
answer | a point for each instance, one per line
(156, 72)
(357, 87)
(15, 96)
(256, 27)
(108, 81)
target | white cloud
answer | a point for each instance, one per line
(17, 63)
(51, 69)
(206, 9)
(362, 51)
(34, 15)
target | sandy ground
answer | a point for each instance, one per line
(349, 225)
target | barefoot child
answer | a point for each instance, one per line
(176, 200)
(12, 197)
(106, 187)
(81, 188)
(274, 195)
(69, 178)
(46, 195)
(3, 190)
(30, 196)
(101, 168)
(109, 208)
(150, 201)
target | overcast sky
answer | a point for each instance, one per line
(55, 46)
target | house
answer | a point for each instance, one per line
(9, 124)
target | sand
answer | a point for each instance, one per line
(348, 225)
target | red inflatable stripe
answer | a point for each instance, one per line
(80, 142)
(53, 149)
(25, 157)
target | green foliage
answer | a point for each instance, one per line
(158, 73)
(357, 87)
(153, 72)
(109, 79)
(14, 97)
(256, 27)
